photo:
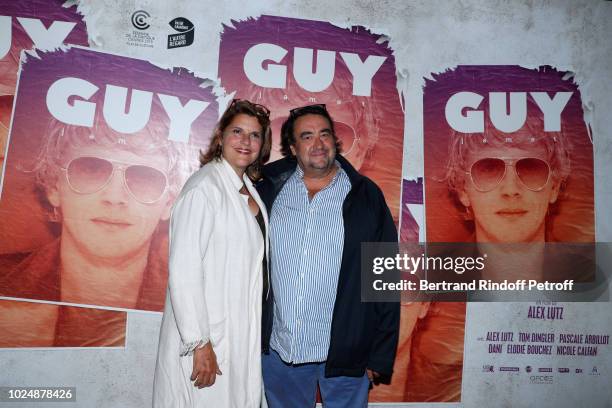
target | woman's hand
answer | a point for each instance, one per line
(205, 368)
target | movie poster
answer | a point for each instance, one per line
(284, 63)
(508, 159)
(350, 70)
(99, 148)
(43, 24)
(499, 110)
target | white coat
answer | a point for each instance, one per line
(214, 293)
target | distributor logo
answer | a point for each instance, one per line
(140, 19)
(541, 379)
(185, 33)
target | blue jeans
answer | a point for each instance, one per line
(295, 385)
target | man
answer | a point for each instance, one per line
(109, 198)
(315, 327)
(108, 201)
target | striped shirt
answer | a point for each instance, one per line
(307, 239)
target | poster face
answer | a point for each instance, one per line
(25, 24)
(466, 120)
(99, 148)
(348, 70)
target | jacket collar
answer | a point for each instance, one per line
(230, 174)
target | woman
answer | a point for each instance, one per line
(209, 348)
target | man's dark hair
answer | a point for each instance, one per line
(287, 130)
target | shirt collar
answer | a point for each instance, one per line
(231, 174)
(300, 173)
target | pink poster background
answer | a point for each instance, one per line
(372, 127)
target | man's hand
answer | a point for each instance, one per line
(373, 376)
(205, 368)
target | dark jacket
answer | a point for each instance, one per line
(363, 335)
